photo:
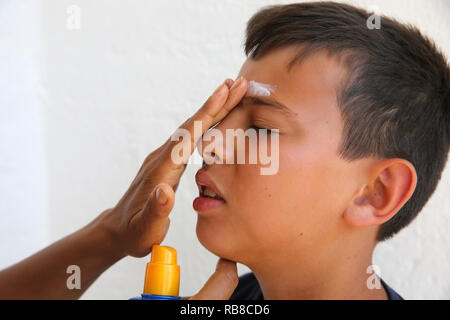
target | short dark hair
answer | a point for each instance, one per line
(395, 101)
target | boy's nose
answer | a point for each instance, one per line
(213, 146)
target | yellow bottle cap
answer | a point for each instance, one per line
(162, 276)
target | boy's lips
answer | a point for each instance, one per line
(204, 181)
(209, 195)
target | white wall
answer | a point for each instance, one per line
(80, 109)
(23, 187)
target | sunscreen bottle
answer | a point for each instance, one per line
(162, 276)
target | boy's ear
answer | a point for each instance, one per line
(389, 186)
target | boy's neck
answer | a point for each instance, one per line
(329, 273)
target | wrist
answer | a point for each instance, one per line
(106, 236)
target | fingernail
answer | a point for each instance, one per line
(161, 196)
(237, 82)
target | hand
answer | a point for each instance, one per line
(140, 218)
(221, 285)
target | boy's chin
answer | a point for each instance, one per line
(216, 243)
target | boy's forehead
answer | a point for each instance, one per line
(317, 71)
(309, 88)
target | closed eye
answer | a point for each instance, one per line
(268, 131)
(257, 128)
(269, 102)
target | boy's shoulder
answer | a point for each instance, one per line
(392, 294)
(248, 289)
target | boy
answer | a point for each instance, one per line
(363, 119)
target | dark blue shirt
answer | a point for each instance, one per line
(249, 289)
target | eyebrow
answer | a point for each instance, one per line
(270, 102)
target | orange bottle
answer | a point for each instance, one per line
(162, 276)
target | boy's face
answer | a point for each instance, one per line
(300, 208)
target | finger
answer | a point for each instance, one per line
(229, 83)
(159, 204)
(221, 285)
(233, 101)
(223, 100)
(237, 90)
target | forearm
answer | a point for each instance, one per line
(44, 275)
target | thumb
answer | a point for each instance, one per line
(159, 204)
(221, 285)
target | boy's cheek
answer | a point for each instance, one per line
(291, 202)
(269, 211)
(272, 210)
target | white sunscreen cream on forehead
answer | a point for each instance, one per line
(260, 89)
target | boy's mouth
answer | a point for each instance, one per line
(209, 195)
(208, 192)
(206, 186)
